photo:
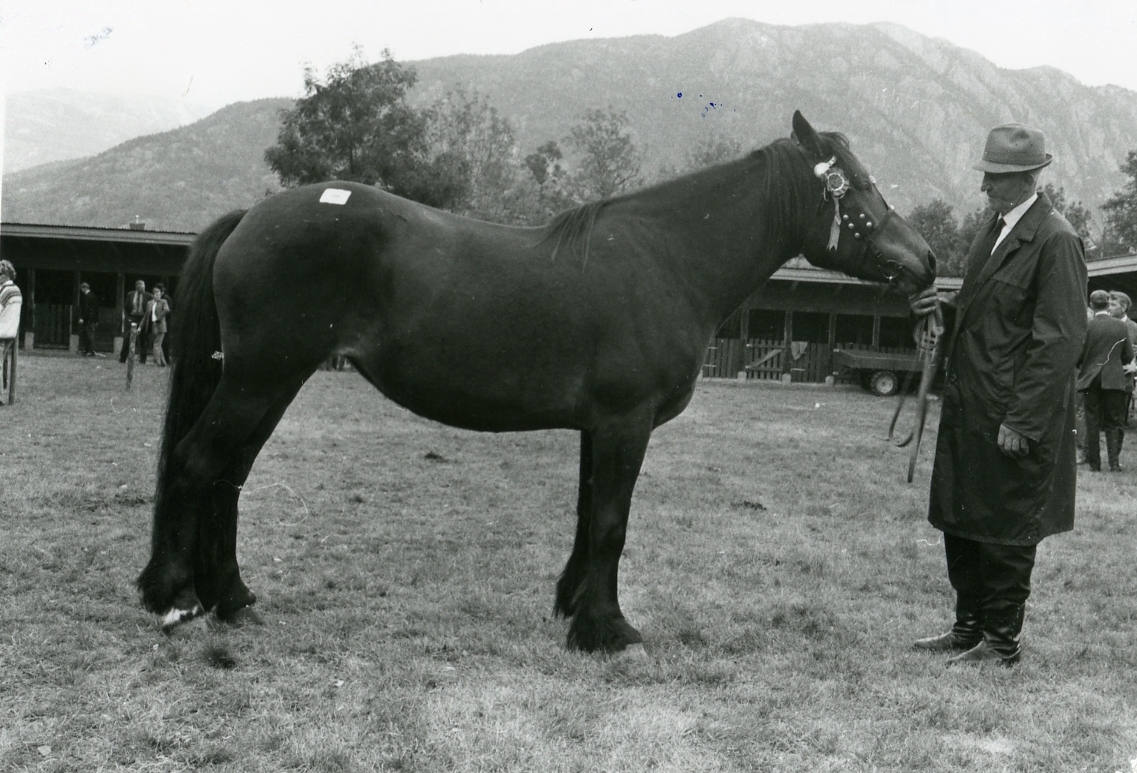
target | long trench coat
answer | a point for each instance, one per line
(1019, 325)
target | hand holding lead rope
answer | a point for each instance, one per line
(928, 333)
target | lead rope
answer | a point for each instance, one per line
(929, 332)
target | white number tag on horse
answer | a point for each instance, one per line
(334, 196)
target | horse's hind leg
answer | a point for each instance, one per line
(572, 578)
(217, 577)
(212, 446)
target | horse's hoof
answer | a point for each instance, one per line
(241, 616)
(608, 635)
(176, 617)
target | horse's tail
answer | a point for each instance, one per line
(195, 341)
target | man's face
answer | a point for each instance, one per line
(1007, 191)
(140, 286)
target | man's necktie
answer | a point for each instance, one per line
(1000, 224)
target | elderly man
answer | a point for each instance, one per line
(1104, 381)
(1005, 464)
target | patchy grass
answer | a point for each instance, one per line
(777, 564)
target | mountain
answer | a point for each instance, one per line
(178, 180)
(60, 124)
(916, 109)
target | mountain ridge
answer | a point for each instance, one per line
(916, 109)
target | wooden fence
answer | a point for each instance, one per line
(767, 360)
(53, 325)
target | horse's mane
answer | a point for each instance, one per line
(573, 226)
(788, 186)
(777, 170)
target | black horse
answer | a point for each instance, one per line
(598, 322)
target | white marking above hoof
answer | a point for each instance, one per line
(176, 617)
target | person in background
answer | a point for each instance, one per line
(11, 301)
(1005, 467)
(135, 313)
(88, 319)
(1119, 305)
(157, 309)
(1080, 412)
(1103, 376)
(168, 298)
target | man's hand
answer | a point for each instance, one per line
(1012, 443)
(924, 302)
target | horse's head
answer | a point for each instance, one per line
(855, 231)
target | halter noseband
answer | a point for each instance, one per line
(836, 186)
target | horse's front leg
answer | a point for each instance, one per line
(597, 622)
(572, 578)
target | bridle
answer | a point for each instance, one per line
(859, 223)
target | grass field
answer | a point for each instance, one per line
(777, 564)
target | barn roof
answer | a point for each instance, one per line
(96, 234)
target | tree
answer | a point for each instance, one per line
(609, 159)
(972, 223)
(545, 162)
(936, 223)
(357, 125)
(469, 130)
(1121, 209)
(1077, 214)
(545, 190)
(708, 151)
(711, 150)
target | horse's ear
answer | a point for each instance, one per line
(805, 135)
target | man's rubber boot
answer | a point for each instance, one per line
(965, 634)
(1002, 633)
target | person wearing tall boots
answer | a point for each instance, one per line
(1005, 466)
(1103, 378)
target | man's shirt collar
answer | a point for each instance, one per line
(1013, 217)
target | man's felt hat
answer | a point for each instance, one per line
(1013, 147)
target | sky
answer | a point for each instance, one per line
(215, 52)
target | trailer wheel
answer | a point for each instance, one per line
(884, 383)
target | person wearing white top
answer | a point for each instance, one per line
(11, 301)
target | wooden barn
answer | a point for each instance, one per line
(818, 312)
(789, 329)
(51, 261)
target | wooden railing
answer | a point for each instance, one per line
(767, 360)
